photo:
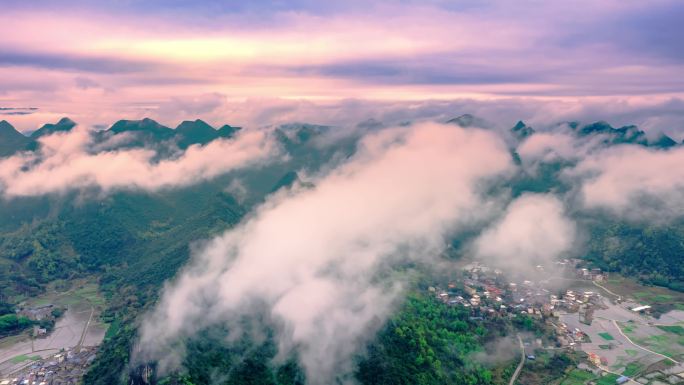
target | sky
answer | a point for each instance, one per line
(261, 62)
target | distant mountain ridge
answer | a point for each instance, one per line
(521, 130)
(11, 140)
(468, 120)
(148, 132)
(200, 132)
(64, 125)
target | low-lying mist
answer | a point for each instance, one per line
(67, 161)
(315, 255)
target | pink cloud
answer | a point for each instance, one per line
(64, 163)
(634, 181)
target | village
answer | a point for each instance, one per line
(581, 315)
(64, 368)
(488, 293)
(62, 343)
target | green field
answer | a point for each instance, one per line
(608, 379)
(88, 292)
(59, 294)
(632, 369)
(676, 329)
(577, 377)
(642, 295)
(21, 358)
(662, 299)
(662, 344)
(606, 336)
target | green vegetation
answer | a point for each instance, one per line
(649, 252)
(608, 379)
(242, 362)
(427, 343)
(653, 297)
(627, 327)
(12, 323)
(113, 329)
(21, 358)
(606, 336)
(549, 366)
(662, 344)
(578, 377)
(675, 329)
(632, 369)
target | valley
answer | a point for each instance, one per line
(110, 261)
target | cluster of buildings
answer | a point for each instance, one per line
(64, 368)
(487, 293)
(573, 267)
(569, 337)
(592, 274)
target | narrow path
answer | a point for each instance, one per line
(606, 289)
(641, 347)
(85, 329)
(520, 365)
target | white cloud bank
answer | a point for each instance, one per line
(64, 163)
(633, 181)
(534, 230)
(314, 256)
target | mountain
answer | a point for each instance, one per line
(11, 140)
(195, 132)
(187, 133)
(600, 127)
(626, 134)
(521, 130)
(663, 141)
(468, 120)
(227, 131)
(64, 125)
(297, 135)
(287, 181)
(630, 134)
(146, 126)
(143, 133)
